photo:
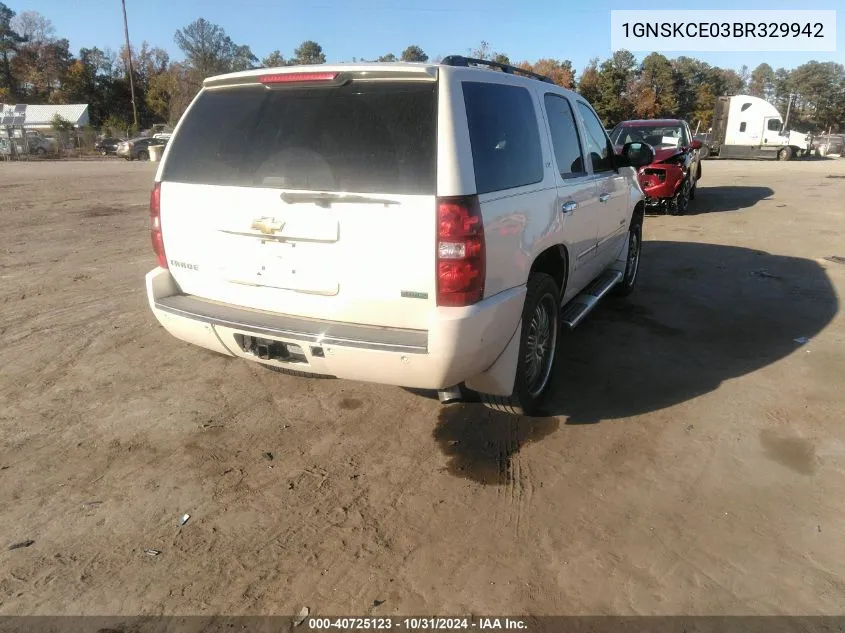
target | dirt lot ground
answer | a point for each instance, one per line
(695, 464)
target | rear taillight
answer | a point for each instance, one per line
(460, 251)
(155, 225)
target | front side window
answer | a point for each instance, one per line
(504, 136)
(774, 125)
(598, 145)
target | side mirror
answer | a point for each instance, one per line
(696, 144)
(637, 154)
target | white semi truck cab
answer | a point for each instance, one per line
(750, 127)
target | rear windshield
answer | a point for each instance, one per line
(368, 138)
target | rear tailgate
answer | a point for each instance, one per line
(316, 201)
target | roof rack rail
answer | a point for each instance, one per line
(461, 61)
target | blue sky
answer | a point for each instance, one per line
(368, 28)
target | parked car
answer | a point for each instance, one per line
(704, 139)
(43, 146)
(138, 148)
(108, 146)
(430, 226)
(38, 144)
(830, 144)
(671, 181)
(159, 130)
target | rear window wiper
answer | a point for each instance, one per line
(326, 199)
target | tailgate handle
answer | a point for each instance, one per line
(325, 200)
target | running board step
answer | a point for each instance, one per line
(583, 304)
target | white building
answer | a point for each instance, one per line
(39, 117)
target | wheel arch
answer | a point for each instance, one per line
(554, 261)
(639, 213)
(498, 379)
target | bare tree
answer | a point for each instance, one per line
(482, 52)
(34, 27)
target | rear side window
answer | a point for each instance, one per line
(367, 138)
(504, 135)
(565, 141)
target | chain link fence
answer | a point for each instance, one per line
(17, 143)
(47, 144)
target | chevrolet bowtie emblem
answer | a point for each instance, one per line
(268, 226)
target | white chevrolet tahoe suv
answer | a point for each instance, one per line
(429, 226)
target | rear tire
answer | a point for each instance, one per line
(143, 155)
(537, 349)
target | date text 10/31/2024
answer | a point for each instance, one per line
(416, 624)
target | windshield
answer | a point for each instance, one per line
(658, 136)
(377, 137)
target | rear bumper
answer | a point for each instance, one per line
(459, 344)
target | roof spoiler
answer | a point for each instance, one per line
(341, 74)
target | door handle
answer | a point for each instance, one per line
(604, 197)
(569, 207)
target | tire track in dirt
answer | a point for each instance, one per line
(485, 447)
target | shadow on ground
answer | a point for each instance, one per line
(729, 198)
(720, 199)
(701, 314)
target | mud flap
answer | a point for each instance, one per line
(499, 379)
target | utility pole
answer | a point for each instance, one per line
(785, 125)
(129, 61)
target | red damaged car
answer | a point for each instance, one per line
(670, 181)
